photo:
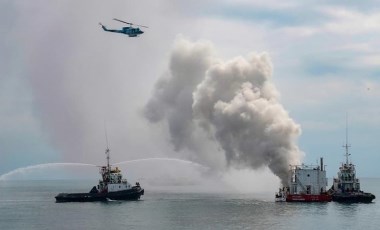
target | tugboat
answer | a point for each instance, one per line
(346, 187)
(307, 183)
(112, 186)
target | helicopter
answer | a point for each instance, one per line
(129, 30)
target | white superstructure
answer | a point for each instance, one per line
(307, 179)
(112, 180)
(306, 183)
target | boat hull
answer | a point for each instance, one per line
(130, 194)
(353, 197)
(308, 198)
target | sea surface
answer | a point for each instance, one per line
(31, 205)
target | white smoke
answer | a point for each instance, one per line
(172, 99)
(233, 102)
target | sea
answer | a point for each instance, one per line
(31, 205)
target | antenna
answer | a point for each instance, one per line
(346, 146)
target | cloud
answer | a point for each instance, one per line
(371, 60)
(350, 22)
(270, 4)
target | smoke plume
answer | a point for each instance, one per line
(234, 104)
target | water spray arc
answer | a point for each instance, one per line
(22, 170)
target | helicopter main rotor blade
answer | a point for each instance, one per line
(140, 25)
(122, 21)
(129, 23)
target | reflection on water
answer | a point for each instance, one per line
(308, 208)
(347, 210)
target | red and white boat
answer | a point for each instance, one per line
(307, 183)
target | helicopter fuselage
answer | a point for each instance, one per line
(132, 32)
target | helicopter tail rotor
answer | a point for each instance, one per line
(103, 27)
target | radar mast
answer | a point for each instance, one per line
(346, 146)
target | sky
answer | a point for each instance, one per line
(63, 80)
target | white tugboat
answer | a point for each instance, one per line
(307, 183)
(112, 186)
(346, 187)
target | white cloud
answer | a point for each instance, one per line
(298, 31)
(370, 60)
(350, 22)
(354, 47)
(268, 4)
(315, 94)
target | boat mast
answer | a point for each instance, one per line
(108, 158)
(107, 151)
(346, 146)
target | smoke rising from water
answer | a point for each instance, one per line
(232, 103)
